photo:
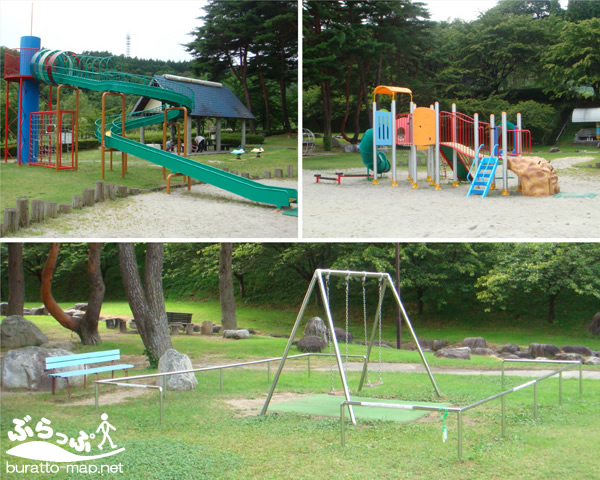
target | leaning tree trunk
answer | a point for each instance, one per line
(228, 318)
(16, 279)
(87, 327)
(551, 308)
(146, 300)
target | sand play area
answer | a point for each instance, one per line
(358, 209)
(205, 212)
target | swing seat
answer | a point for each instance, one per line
(374, 384)
(336, 392)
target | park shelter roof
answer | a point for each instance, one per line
(583, 115)
(211, 100)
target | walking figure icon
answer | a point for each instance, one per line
(106, 427)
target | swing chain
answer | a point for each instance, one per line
(330, 338)
(380, 321)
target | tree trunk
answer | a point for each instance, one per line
(16, 279)
(420, 293)
(228, 318)
(46, 291)
(146, 301)
(551, 307)
(284, 109)
(263, 87)
(88, 328)
(240, 279)
(347, 113)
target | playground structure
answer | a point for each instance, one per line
(320, 281)
(453, 139)
(44, 143)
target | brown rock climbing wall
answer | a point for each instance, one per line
(538, 176)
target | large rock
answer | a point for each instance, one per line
(312, 344)
(315, 327)
(592, 361)
(543, 350)
(17, 331)
(474, 342)
(173, 361)
(538, 176)
(483, 351)
(439, 344)
(594, 326)
(462, 353)
(350, 148)
(206, 328)
(570, 357)
(241, 334)
(340, 335)
(580, 349)
(509, 348)
(25, 368)
(39, 311)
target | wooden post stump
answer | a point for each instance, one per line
(110, 191)
(206, 328)
(234, 172)
(245, 175)
(134, 191)
(77, 201)
(99, 191)
(122, 191)
(267, 174)
(278, 173)
(11, 220)
(23, 211)
(89, 197)
(37, 211)
(64, 208)
(51, 209)
(189, 328)
(290, 171)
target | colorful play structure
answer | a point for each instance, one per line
(472, 149)
(49, 137)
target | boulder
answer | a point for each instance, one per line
(216, 328)
(474, 342)
(173, 361)
(81, 306)
(340, 335)
(462, 353)
(439, 344)
(426, 345)
(206, 328)
(570, 357)
(39, 311)
(592, 361)
(315, 327)
(482, 351)
(543, 350)
(509, 348)
(25, 368)
(538, 176)
(350, 148)
(311, 343)
(509, 356)
(581, 350)
(554, 150)
(16, 331)
(594, 326)
(525, 355)
(240, 334)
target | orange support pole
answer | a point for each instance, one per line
(103, 132)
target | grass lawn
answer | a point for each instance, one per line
(209, 434)
(38, 183)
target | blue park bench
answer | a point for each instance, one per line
(84, 360)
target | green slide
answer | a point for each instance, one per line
(366, 154)
(100, 74)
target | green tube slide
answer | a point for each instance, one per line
(59, 67)
(366, 154)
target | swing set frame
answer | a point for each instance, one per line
(320, 280)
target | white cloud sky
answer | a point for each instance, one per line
(157, 28)
(464, 9)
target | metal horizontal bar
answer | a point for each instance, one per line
(133, 385)
(525, 360)
(351, 273)
(219, 367)
(357, 403)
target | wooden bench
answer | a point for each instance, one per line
(178, 321)
(83, 360)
